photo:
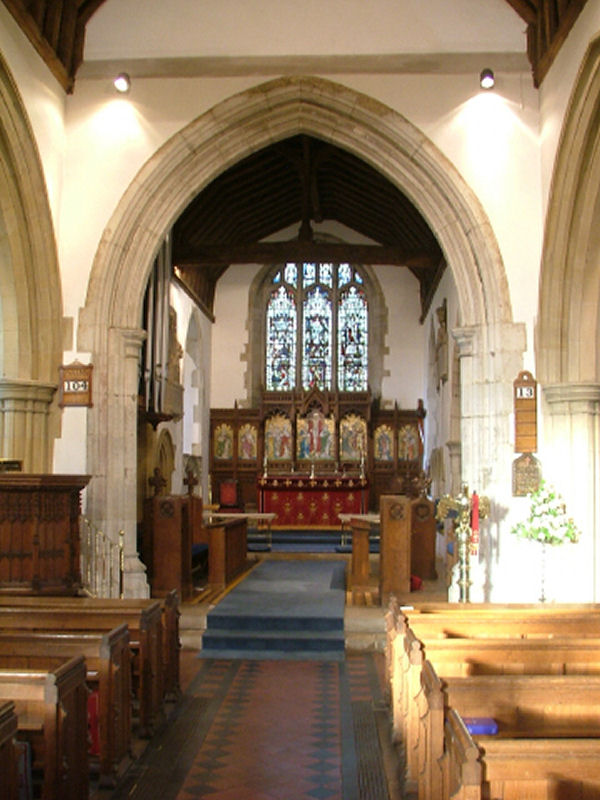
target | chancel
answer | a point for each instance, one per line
(299, 352)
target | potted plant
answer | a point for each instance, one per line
(547, 523)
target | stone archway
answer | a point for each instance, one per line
(568, 330)
(30, 299)
(109, 324)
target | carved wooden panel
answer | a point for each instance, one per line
(39, 533)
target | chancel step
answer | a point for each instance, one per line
(284, 640)
(282, 609)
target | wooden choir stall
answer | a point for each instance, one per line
(175, 528)
(407, 534)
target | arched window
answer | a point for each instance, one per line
(317, 329)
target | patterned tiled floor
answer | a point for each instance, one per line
(267, 730)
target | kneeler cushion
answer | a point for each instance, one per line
(484, 726)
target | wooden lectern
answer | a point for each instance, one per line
(394, 563)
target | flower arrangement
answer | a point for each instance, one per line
(547, 522)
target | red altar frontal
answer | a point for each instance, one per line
(302, 501)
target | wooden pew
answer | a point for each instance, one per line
(542, 652)
(548, 656)
(555, 706)
(460, 765)
(8, 758)
(510, 769)
(51, 710)
(145, 641)
(528, 625)
(541, 768)
(108, 672)
(525, 707)
(406, 686)
(170, 623)
(496, 610)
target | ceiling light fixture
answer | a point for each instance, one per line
(486, 79)
(122, 83)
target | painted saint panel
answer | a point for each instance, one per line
(408, 443)
(353, 438)
(223, 442)
(248, 442)
(278, 438)
(315, 437)
(383, 443)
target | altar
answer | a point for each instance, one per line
(302, 501)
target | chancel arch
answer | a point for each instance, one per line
(30, 300)
(568, 331)
(190, 160)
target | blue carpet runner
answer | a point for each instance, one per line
(281, 610)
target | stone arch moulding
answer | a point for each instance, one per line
(568, 316)
(30, 295)
(238, 126)
(568, 330)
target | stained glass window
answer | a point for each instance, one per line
(291, 274)
(326, 274)
(309, 273)
(317, 341)
(352, 340)
(344, 274)
(317, 321)
(281, 340)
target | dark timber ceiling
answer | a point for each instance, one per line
(298, 182)
(56, 28)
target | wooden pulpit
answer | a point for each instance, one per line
(394, 564)
(39, 533)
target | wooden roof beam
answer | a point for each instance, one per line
(301, 251)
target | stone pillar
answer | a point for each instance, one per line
(24, 423)
(491, 356)
(454, 455)
(571, 462)
(112, 450)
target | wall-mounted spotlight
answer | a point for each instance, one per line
(486, 79)
(122, 83)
